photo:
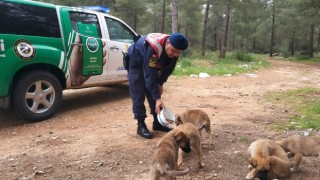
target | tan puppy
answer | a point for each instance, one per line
(192, 133)
(299, 146)
(164, 161)
(199, 118)
(269, 160)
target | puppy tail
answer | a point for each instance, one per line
(170, 172)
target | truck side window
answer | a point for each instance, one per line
(85, 18)
(23, 19)
(118, 31)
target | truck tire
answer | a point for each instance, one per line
(37, 95)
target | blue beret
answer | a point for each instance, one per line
(178, 41)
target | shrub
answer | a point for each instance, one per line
(241, 56)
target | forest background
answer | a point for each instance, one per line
(286, 27)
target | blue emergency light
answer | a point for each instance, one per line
(97, 8)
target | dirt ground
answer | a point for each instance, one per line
(93, 135)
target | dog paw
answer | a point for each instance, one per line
(250, 176)
(295, 169)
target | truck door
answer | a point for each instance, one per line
(120, 38)
(84, 51)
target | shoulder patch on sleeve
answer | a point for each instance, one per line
(152, 62)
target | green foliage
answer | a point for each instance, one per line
(250, 30)
(187, 63)
(241, 56)
(131, 13)
(188, 52)
(305, 102)
(212, 65)
(286, 55)
(190, 20)
(305, 59)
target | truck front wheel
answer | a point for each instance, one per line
(37, 95)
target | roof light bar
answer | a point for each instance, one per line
(97, 8)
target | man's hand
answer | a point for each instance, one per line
(159, 105)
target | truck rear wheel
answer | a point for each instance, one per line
(37, 95)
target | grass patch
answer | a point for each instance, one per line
(305, 102)
(301, 58)
(241, 56)
(234, 63)
(244, 139)
(305, 59)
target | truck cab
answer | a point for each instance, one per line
(47, 48)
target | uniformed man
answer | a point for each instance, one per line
(152, 60)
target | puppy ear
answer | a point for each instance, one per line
(281, 143)
(178, 120)
(274, 160)
(179, 136)
(253, 162)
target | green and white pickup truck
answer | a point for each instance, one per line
(46, 48)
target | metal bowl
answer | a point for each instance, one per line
(166, 117)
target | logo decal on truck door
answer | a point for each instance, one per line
(92, 45)
(24, 49)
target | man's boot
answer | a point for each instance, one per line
(143, 130)
(156, 126)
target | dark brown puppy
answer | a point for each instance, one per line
(199, 118)
(298, 146)
(165, 157)
(268, 160)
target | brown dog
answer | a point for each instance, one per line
(165, 157)
(269, 160)
(299, 146)
(192, 132)
(199, 118)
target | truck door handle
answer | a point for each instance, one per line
(115, 48)
(77, 44)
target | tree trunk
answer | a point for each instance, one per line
(291, 45)
(311, 41)
(254, 45)
(305, 37)
(233, 43)
(187, 24)
(318, 41)
(135, 22)
(224, 39)
(204, 29)
(175, 16)
(155, 22)
(163, 15)
(215, 46)
(272, 31)
(241, 43)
